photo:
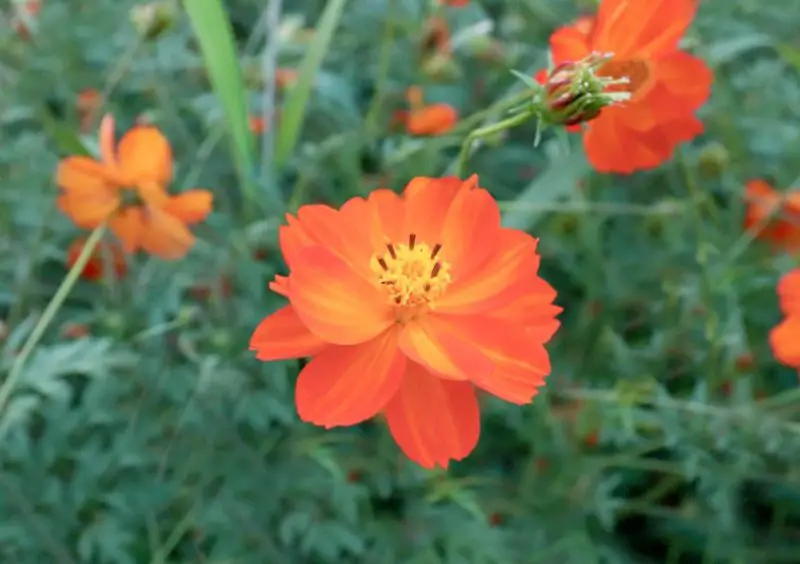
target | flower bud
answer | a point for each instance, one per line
(574, 93)
(151, 20)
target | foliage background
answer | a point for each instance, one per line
(667, 432)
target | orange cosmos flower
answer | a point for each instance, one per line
(785, 337)
(454, 3)
(422, 119)
(667, 85)
(126, 187)
(783, 231)
(407, 304)
(102, 254)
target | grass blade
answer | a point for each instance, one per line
(295, 109)
(215, 35)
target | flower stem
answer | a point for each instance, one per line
(49, 313)
(486, 131)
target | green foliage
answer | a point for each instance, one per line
(158, 438)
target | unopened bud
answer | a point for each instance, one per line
(151, 20)
(574, 93)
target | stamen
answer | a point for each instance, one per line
(436, 268)
(436, 248)
(391, 250)
(383, 264)
(412, 239)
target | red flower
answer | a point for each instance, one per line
(407, 303)
(785, 337)
(105, 255)
(667, 85)
(783, 229)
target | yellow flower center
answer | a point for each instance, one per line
(412, 274)
(637, 72)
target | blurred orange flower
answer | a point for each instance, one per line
(454, 3)
(430, 119)
(104, 254)
(407, 303)
(257, 124)
(785, 337)
(127, 188)
(667, 85)
(783, 230)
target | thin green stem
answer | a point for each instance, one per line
(481, 132)
(49, 313)
(371, 122)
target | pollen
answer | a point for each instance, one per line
(413, 273)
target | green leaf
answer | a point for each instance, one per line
(295, 109)
(215, 35)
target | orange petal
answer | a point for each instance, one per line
(520, 362)
(192, 206)
(164, 236)
(433, 421)
(785, 341)
(470, 230)
(347, 385)
(388, 218)
(128, 225)
(280, 285)
(789, 292)
(568, 43)
(345, 232)
(427, 203)
(433, 342)
(334, 302)
(88, 196)
(434, 119)
(282, 335)
(502, 278)
(293, 238)
(144, 155)
(534, 310)
(641, 28)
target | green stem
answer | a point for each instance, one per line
(486, 131)
(383, 75)
(49, 313)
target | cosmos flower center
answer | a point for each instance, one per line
(412, 274)
(637, 72)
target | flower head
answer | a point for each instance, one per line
(426, 119)
(666, 85)
(785, 337)
(783, 229)
(105, 257)
(407, 304)
(126, 187)
(574, 93)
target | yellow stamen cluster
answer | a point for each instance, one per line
(411, 273)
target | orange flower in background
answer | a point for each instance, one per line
(407, 304)
(783, 229)
(667, 85)
(454, 3)
(127, 188)
(785, 337)
(430, 119)
(105, 255)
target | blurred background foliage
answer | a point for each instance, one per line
(142, 430)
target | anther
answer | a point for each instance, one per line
(412, 239)
(383, 264)
(436, 248)
(436, 268)
(391, 250)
